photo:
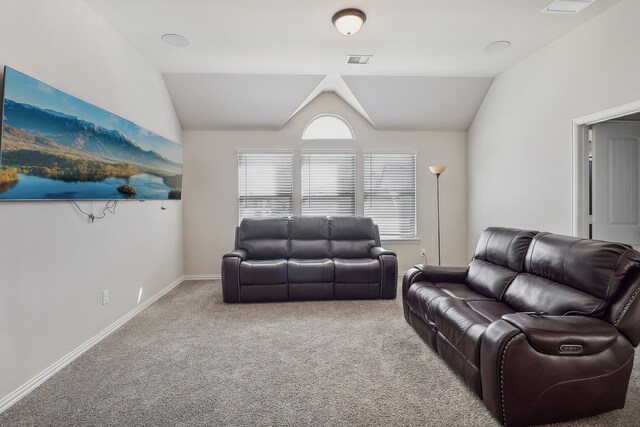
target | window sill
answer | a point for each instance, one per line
(400, 241)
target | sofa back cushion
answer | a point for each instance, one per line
(351, 237)
(264, 238)
(591, 266)
(488, 279)
(505, 247)
(310, 237)
(570, 275)
(499, 257)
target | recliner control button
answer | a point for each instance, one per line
(571, 348)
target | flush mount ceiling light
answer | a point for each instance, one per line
(496, 47)
(175, 40)
(567, 6)
(349, 21)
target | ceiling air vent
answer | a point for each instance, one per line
(358, 59)
(567, 6)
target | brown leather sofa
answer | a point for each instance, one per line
(541, 327)
(308, 258)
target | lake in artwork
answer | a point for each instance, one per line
(57, 147)
(37, 188)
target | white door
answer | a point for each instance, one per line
(616, 182)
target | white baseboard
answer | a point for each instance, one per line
(202, 277)
(10, 399)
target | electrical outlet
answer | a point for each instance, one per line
(105, 296)
(423, 252)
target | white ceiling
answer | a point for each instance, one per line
(262, 41)
(443, 103)
(237, 101)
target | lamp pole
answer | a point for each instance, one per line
(437, 170)
(438, 207)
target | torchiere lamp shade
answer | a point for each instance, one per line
(437, 169)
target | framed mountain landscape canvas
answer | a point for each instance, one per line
(57, 147)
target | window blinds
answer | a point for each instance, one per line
(265, 184)
(390, 193)
(328, 183)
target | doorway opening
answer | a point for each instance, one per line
(606, 175)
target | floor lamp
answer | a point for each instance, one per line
(437, 170)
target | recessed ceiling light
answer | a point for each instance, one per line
(567, 6)
(175, 40)
(496, 47)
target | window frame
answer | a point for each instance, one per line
(336, 116)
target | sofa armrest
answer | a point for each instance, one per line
(230, 273)
(564, 335)
(238, 253)
(432, 273)
(435, 273)
(388, 271)
(526, 378)
(376, 251)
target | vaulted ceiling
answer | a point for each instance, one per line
(253, 64)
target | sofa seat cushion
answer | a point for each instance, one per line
(422, 297)
(263, 272)
(310, 270)
(463, 323)
(357, 270)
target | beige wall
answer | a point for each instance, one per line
(210, 188)
(520, 143)
(53, 263)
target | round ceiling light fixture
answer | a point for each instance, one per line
(496, 47)
(349, 21)
(175, 40)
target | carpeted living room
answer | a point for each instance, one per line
(190, 359)
(319, 213)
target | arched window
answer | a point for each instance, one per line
(328, 126)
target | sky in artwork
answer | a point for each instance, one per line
(23, 89)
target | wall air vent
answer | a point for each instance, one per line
(358, 59)
(567, 6)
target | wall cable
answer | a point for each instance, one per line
(109, 207)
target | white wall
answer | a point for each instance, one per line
(210, 183)
(53, 263)
(520, 143)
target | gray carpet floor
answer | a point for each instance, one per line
(191, 360)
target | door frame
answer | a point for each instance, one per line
(579, 136)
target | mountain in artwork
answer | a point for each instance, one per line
(82, 135)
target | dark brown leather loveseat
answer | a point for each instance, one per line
(308, 257)
(541, 327)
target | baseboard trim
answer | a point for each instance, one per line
(202, 277)
(13, 397)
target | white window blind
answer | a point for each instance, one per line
(265, 184)
(390, 193)
(328, 183)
